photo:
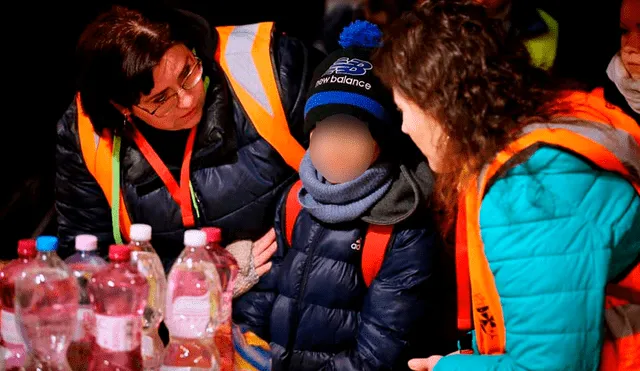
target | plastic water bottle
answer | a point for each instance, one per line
(227, 269)
(192, 297)
(12, 344)
(46, 307)
(148, 263)
(119, 295)
(84, 264)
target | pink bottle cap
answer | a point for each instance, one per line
(27, 248)
(119, 253)
(213, 234)
(86, 242)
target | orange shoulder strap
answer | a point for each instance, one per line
(244, 53)
(605, 138)
(292, 208)
(376, 239)
(98, 153)
(375, 246)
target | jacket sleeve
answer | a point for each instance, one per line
(296, 63)
(80, 203)
(399, 298)
(252, 310)
(552, 252)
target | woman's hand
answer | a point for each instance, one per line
(424, 364)
(263, 250)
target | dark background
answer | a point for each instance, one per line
(38, 41)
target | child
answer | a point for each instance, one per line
(335, 304)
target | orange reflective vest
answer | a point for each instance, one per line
(610, 139)
(244, 53)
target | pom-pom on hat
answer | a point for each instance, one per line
(344, 83)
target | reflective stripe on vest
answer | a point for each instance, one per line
(543, 49)
(622, 319)
(612, 142)
(244, 53)
(97, 151)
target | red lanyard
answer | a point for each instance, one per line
(181, 193)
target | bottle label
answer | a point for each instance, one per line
(84, 323)
(147, 346)
(118, 333)
(10, 332)
(193, 314)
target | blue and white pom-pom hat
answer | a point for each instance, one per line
(345, 83)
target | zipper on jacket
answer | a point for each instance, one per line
(303, 286)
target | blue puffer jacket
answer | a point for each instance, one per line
(237, 176)
(555, 230)
(317, 311)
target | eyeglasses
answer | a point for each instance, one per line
(163, 105)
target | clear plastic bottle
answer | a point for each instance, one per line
(46, 308)
(84, 264)
(227, 269)
(12, 344)
(192, 297)
(119, 295)
(147, 261)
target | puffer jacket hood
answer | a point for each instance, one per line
(408, 195)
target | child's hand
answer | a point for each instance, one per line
(424, 364)
(263, 250)
(254, 260)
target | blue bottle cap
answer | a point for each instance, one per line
(47, 243)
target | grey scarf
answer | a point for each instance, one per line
(337, 203)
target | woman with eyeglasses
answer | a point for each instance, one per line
(178, 125)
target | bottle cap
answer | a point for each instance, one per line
(195, 238)
(86, 242)
(140, 232)
(46, 243)
(27, 248)
(213, 234)
(119, 253)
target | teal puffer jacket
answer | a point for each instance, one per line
(556, 229)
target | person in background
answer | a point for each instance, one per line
(169, 129)
(340, 13)
(623, 72)
(324, 305)
(543, 185)
(537, 29)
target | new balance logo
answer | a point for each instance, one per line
(346, 66)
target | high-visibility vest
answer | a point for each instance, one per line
(244, 53)
(608, 138)
(544, 48)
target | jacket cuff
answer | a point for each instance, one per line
(242, 251)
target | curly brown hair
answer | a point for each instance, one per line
(459, 65)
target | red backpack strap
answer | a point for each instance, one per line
(375, 246)
(292, 208)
